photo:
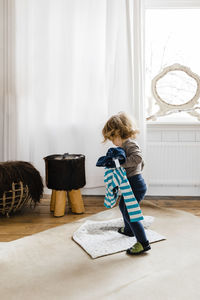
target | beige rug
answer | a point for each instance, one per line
(49, 265)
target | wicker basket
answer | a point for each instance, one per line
(14, 199)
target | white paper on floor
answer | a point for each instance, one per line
(99, 238)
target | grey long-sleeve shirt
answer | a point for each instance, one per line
(134, 162)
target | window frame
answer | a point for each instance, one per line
(171, 4)
(153, 4)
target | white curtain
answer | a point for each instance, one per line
(7, 81)
(73, 64)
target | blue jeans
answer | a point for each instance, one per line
(139, 189)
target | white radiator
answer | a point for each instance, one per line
(173, 167)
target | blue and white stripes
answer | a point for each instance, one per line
(116, 179)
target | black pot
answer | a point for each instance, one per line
(65, 172)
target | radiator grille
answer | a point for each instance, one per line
(173, 163)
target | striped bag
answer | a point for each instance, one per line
(116, 179)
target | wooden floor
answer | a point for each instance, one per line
(30, 221)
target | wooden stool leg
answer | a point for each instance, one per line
(60, 204)
(76, 201)
(53, 200)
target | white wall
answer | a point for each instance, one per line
(173, 159)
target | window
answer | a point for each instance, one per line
(171, 36)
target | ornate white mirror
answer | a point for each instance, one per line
(176, 89)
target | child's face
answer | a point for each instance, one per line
(117, 141)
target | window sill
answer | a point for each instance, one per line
(187, 125)
(195, 123)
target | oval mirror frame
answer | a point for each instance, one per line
(168, 108)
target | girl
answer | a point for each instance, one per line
(119, 130)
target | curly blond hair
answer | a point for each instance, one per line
(119, 125)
